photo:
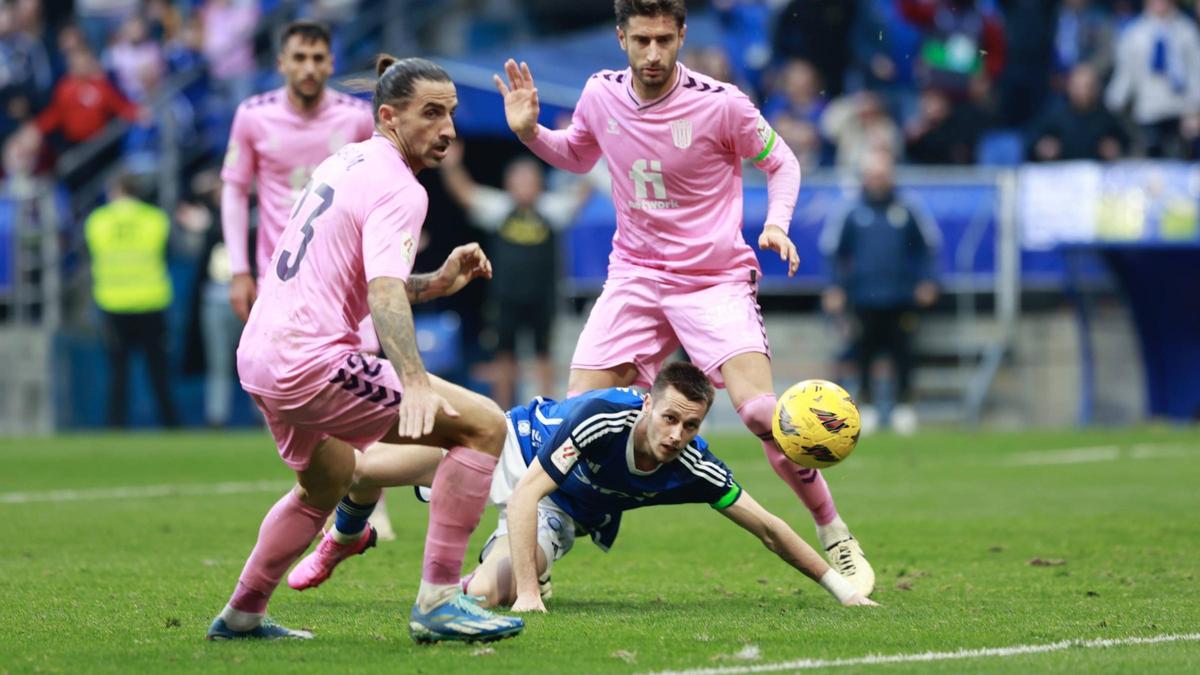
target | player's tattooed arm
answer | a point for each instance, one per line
(421, 403)
(391, 309)
(423, 288)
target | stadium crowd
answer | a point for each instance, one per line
(937, 81)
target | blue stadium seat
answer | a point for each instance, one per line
(1002, 147)
(439, 339)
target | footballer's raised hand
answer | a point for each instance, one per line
(774, 238)
(520, 100)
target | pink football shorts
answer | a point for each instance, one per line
(643, 321)
(357, 405)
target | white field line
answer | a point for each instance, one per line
(1103, 453)
(144, 491)
(881, 659)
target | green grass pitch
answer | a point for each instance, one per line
(99, 582)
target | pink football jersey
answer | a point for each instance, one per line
(281, 146)
(359, 218)
(676, 165)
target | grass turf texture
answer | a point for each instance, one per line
(949, 520)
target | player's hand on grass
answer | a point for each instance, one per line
(520, 100)
(859, 600)
(464, 264)
(775, 239)
(529, 603)
(242, 294)
(418, 408)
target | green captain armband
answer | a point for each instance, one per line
(729, 498)
(768, 146)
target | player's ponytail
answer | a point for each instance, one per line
(382, 63)
(395, 78)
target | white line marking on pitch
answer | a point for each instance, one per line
(880, 659)
(144, 491)
(1101, 453)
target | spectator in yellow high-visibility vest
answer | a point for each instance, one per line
(127, 240)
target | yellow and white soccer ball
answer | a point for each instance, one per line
(816, 424)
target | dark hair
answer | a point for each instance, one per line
(309, 31)
(128, 184)
(629, 8)
(687, 379)
(395, 79)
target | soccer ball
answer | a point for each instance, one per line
(816, 424)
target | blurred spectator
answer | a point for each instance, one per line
(746, 39)
(133, 57)
(1080, 127)
(100, 19)
(215, 329)
(817, 31)
(1157, 70)
(943, 132)
(82, 104)
(25, 76)
(173, 123)
(714, 62)
(229, 47)
(858, 123)
(84, 101)
(959, 40)
(1028, 59)
(1083, 33)
(882, 49)
(794, 109)
(127, 241)
(524, 251)
(883, 254)
(797, 92)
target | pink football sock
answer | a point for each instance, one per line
(808, 484)
(460, 491)
(286, 532)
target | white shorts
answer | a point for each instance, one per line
(555, 529)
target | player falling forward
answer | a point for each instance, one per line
(347, 250)
(581, 462)
(277, 140)
(680, 272)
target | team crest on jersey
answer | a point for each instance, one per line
(681, 133)
(763, 129)
(523, 427)
(612, 127)
(565, 457)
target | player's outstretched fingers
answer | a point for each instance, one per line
(499, 82)
(527, 75)
(514, 74)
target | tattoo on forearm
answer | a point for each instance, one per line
(392, 313)
(422, 288)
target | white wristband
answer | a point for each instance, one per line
(837, 586)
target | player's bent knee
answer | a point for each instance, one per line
(485, 430)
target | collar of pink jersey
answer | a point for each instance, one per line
(286, 102)
(680, 74)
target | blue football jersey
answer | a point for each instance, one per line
(585, 443)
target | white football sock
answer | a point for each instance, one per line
(833, 532)
(240, 621)
(432, 595)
